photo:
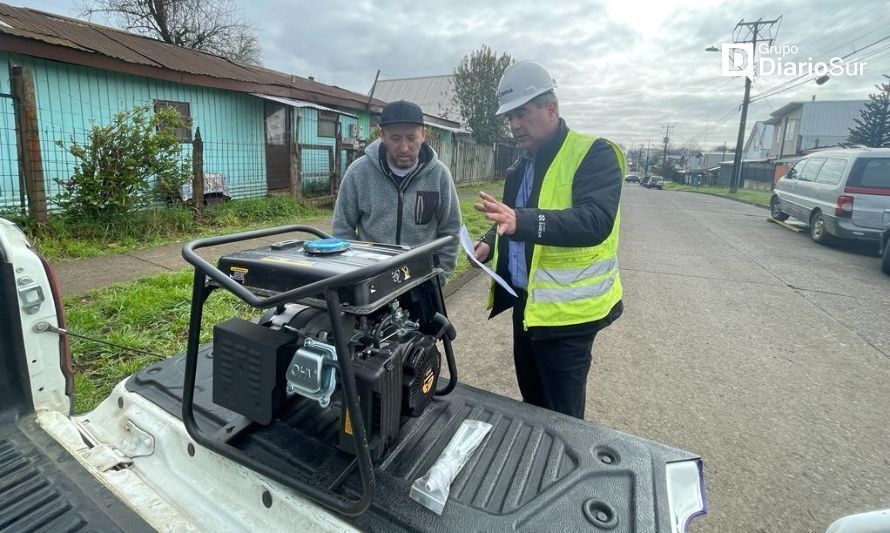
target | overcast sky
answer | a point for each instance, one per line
(624, 67)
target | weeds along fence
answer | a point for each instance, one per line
(252, 148)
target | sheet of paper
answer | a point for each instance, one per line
(467, 244)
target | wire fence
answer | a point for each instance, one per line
(257, 150)
(12, 193)
(231, 169)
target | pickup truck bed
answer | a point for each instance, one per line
(42, 486)
(536, 471)
(128, 465)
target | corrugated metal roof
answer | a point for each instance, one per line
(782, 111)
(830, 118)
(300, 103)
(709, 160)
(135, 49)
(434, 94)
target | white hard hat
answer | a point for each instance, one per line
(520, 83)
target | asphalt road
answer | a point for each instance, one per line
(743, 342)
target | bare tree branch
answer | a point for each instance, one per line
(212, 27)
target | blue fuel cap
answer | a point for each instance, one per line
(325, 246)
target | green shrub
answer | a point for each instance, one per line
(123, 166)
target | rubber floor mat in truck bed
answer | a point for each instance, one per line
(536, 470)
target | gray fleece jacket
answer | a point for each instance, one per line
(374, 206)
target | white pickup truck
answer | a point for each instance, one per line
(131, 464)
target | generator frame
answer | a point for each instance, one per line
(219, 441)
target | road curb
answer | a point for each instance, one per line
(749, 202)
(456, 285)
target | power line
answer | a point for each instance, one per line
(809, 78)
(716, 124)
(749, 32)
(757, 84)
(818, 30)
(790, 84)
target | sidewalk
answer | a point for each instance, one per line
(83, 275)
(80, 276)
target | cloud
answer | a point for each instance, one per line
(624, 67)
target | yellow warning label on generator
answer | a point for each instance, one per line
(238, 274)
(273, 259)
(428, 381)
(347, 424)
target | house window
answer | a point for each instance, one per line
(327, 124)
(184, 133)
(791, 131)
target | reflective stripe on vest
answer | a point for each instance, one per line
(568, 293)
(571, 285)
(571, 275)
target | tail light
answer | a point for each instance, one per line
(64, 345)
(844, 206)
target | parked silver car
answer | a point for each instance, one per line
(842, 193)
(885, 250)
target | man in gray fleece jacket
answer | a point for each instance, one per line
(399, 192)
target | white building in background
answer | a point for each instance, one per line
(759, 141)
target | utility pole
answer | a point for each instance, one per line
(667, 138)
(646, 172)
(749, 32)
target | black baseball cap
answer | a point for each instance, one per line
(401, 112)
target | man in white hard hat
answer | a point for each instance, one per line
(555, 240)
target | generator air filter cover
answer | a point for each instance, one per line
(326, 246)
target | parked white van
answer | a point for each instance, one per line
(843, 193)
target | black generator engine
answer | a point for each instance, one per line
(389, 327)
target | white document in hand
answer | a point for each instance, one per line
(467, 244)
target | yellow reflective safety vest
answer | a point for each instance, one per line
(570, 285)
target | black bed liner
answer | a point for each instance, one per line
(536, 471)
(42, 487)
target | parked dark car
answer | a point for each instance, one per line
(632, 178)
(645, 180)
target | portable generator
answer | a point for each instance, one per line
(353, 326)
